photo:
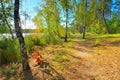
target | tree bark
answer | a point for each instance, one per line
(66, 30)
(84, 31)
(5, 19)
(103, 16)
(20, 37)
(84, 27)
(104, 20)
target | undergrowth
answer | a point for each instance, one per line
(9, 51)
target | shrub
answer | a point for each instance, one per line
(9, 51)
(29, 43)
(54, 39)
(41, 40)
(60, 57)
(97, 43)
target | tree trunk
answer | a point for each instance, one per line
(84, 31)
(66, 30)
(5, 19)
(58, 33)
(103, 16)
(104, 20)
(20, 37)
(84, 27)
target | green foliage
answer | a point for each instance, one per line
(97, 43)
(61, 60)
(73, 29)
(108, 36)
(3, 28)
(9, 51)
(29, 43)
(11, 70)
(114, 23)
(7, 9)
(40, 40)
(60, 57)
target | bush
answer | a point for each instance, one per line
(53, 39)
(41, 40)
(97, 43)
(9, 51)
(29, 43)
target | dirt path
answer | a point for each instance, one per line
(86, 63)
(102, 63)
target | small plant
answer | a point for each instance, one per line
(60, 57)
(97, 43)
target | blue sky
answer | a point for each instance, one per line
(29, 7)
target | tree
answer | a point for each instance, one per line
(81, 15)
(66, 6)
(104, 11)
(48, 17)
(5, 18)
(103, 15)
(84, 28)
(20, 36)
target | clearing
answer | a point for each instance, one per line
(95, 58)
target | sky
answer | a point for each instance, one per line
(30, 7)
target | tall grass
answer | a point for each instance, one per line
(40, 40)
(9, 51)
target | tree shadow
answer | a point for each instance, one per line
(27, 75)
(116, 43)
(46, 68)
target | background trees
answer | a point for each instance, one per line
(6, 16)
(79, 15)
(48, 19)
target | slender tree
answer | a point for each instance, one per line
(20, 36)
(66, 6)
(5, 18)
(103, 16)
(84, 28)
(49, 16)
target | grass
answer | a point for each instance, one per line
(9, 71)
(10, 51)
(61, 60)
(108, 36)
(97, 43)
(100, 36)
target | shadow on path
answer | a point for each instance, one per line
(46, 68)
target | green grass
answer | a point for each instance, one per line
(108, 36)
(10, 51)
(100, 36)
(61, 60)
(60, 57)
(97, 43)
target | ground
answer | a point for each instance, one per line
(95, 58)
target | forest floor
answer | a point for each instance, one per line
(95, 58)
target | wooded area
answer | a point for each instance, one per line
(73, 40)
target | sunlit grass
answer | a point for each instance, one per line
(108, 36)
